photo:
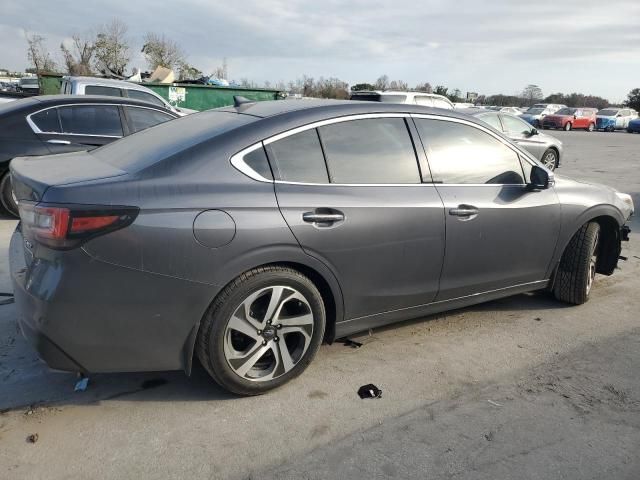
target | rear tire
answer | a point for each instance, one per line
(262, 330)
(7, 198)
(567, 126)
(577, 269)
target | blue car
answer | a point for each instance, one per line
(634, 126)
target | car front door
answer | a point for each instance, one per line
(521, 133)
(500, 233)
(352, 194)
(78, 127)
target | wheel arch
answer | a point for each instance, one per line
(321, 276)
(610, 220)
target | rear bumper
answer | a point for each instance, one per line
(89, 316)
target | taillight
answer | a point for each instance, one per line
(68, 226)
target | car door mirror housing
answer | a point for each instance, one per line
(540, 178)
(533, 131)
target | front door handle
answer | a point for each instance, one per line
(323, 217)
(59, 142)
(464, 211)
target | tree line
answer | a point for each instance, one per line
(108, 52)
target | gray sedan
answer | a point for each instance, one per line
(246, 236)
(543, 147)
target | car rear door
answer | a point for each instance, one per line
(499, 233)
(82, 127)
(351, 192)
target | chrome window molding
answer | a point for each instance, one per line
(37, 130)
(237, 160)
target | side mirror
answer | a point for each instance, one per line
(539, 179)
(534, 131)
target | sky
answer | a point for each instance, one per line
(485, 46)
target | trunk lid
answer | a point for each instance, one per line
(32, 176)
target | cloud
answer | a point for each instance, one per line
(482, 46)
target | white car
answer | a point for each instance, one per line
(416, 98)
(610, 119)
(535, 114)
(116, 88)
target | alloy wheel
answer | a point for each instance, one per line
(549, 160)
(268, 333)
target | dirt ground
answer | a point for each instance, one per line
(524, 387)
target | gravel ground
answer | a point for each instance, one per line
(522, 387)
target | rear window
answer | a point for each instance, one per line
(376, 97)
(101, 90)
(145, 97)
(145, 148)
(141, 118)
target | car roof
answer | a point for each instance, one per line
(332, 108)
(107, 82)
(62, 99)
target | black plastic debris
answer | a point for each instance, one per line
(33, 438)
(347, 342)
(369, 391)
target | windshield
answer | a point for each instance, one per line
(608, 112)
(535, 111)
(376, 97)
(566, 111)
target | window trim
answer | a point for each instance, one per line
(37, 130)
(237, 160)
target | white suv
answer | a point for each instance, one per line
(116, 88)
(416, 98)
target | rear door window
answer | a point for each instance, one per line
(141, 118)
(462, 154)
(100, 120)
(378, 151)
(146, 97)
(299, 158)
(515, 126)
(47, 121)
(101, 90)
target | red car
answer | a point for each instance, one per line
(570, 118)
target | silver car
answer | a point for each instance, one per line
(544, 148)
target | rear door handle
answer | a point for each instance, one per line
(59, 142)
(327, 217)
(464, 211)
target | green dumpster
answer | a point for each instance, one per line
(205, 97)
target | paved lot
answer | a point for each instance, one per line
(523, 387)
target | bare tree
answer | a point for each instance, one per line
(398, 85)
(78, 56)
(188, 72)
(161, 51)
(382, 83)
(38, 55)
(221, 71)
(112, 48)
(424, 87)
(531, 94)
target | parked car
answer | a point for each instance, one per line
(545, 148)
(535, 114)
(45, 125)
(610, 119)
(29, 85)
(415, 98)
(634, 126)
(246, 236)
(571, 118)
(510, 110)
(116, 88)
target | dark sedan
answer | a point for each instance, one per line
(63, 123)
(247, 235)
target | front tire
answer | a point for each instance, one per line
(577, 270)
(550, 159)
(7, 197)
(262, 330)
(567, 126)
